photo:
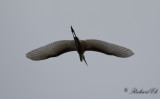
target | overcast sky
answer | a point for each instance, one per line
(29, 24)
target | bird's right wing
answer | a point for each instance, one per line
(51, 50)
(107, 48)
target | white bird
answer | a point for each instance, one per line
(59, 47)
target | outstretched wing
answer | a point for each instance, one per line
(51, 50)
(107, 48)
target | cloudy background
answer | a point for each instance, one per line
(29, 24)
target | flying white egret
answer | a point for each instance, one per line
(59, 47)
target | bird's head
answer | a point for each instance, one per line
(72, 30)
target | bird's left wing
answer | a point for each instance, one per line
(51, 50)
(106, 48)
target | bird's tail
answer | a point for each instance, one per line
(85, 60)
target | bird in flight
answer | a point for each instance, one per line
(59, 47)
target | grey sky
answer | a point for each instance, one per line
(29, 24)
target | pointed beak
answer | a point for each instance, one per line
(72, 29)
(74, 35)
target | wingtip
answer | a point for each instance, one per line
(30, 56)
(132, 53)
(129, 54)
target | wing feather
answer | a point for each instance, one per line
(51, 50)
(107, 48)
